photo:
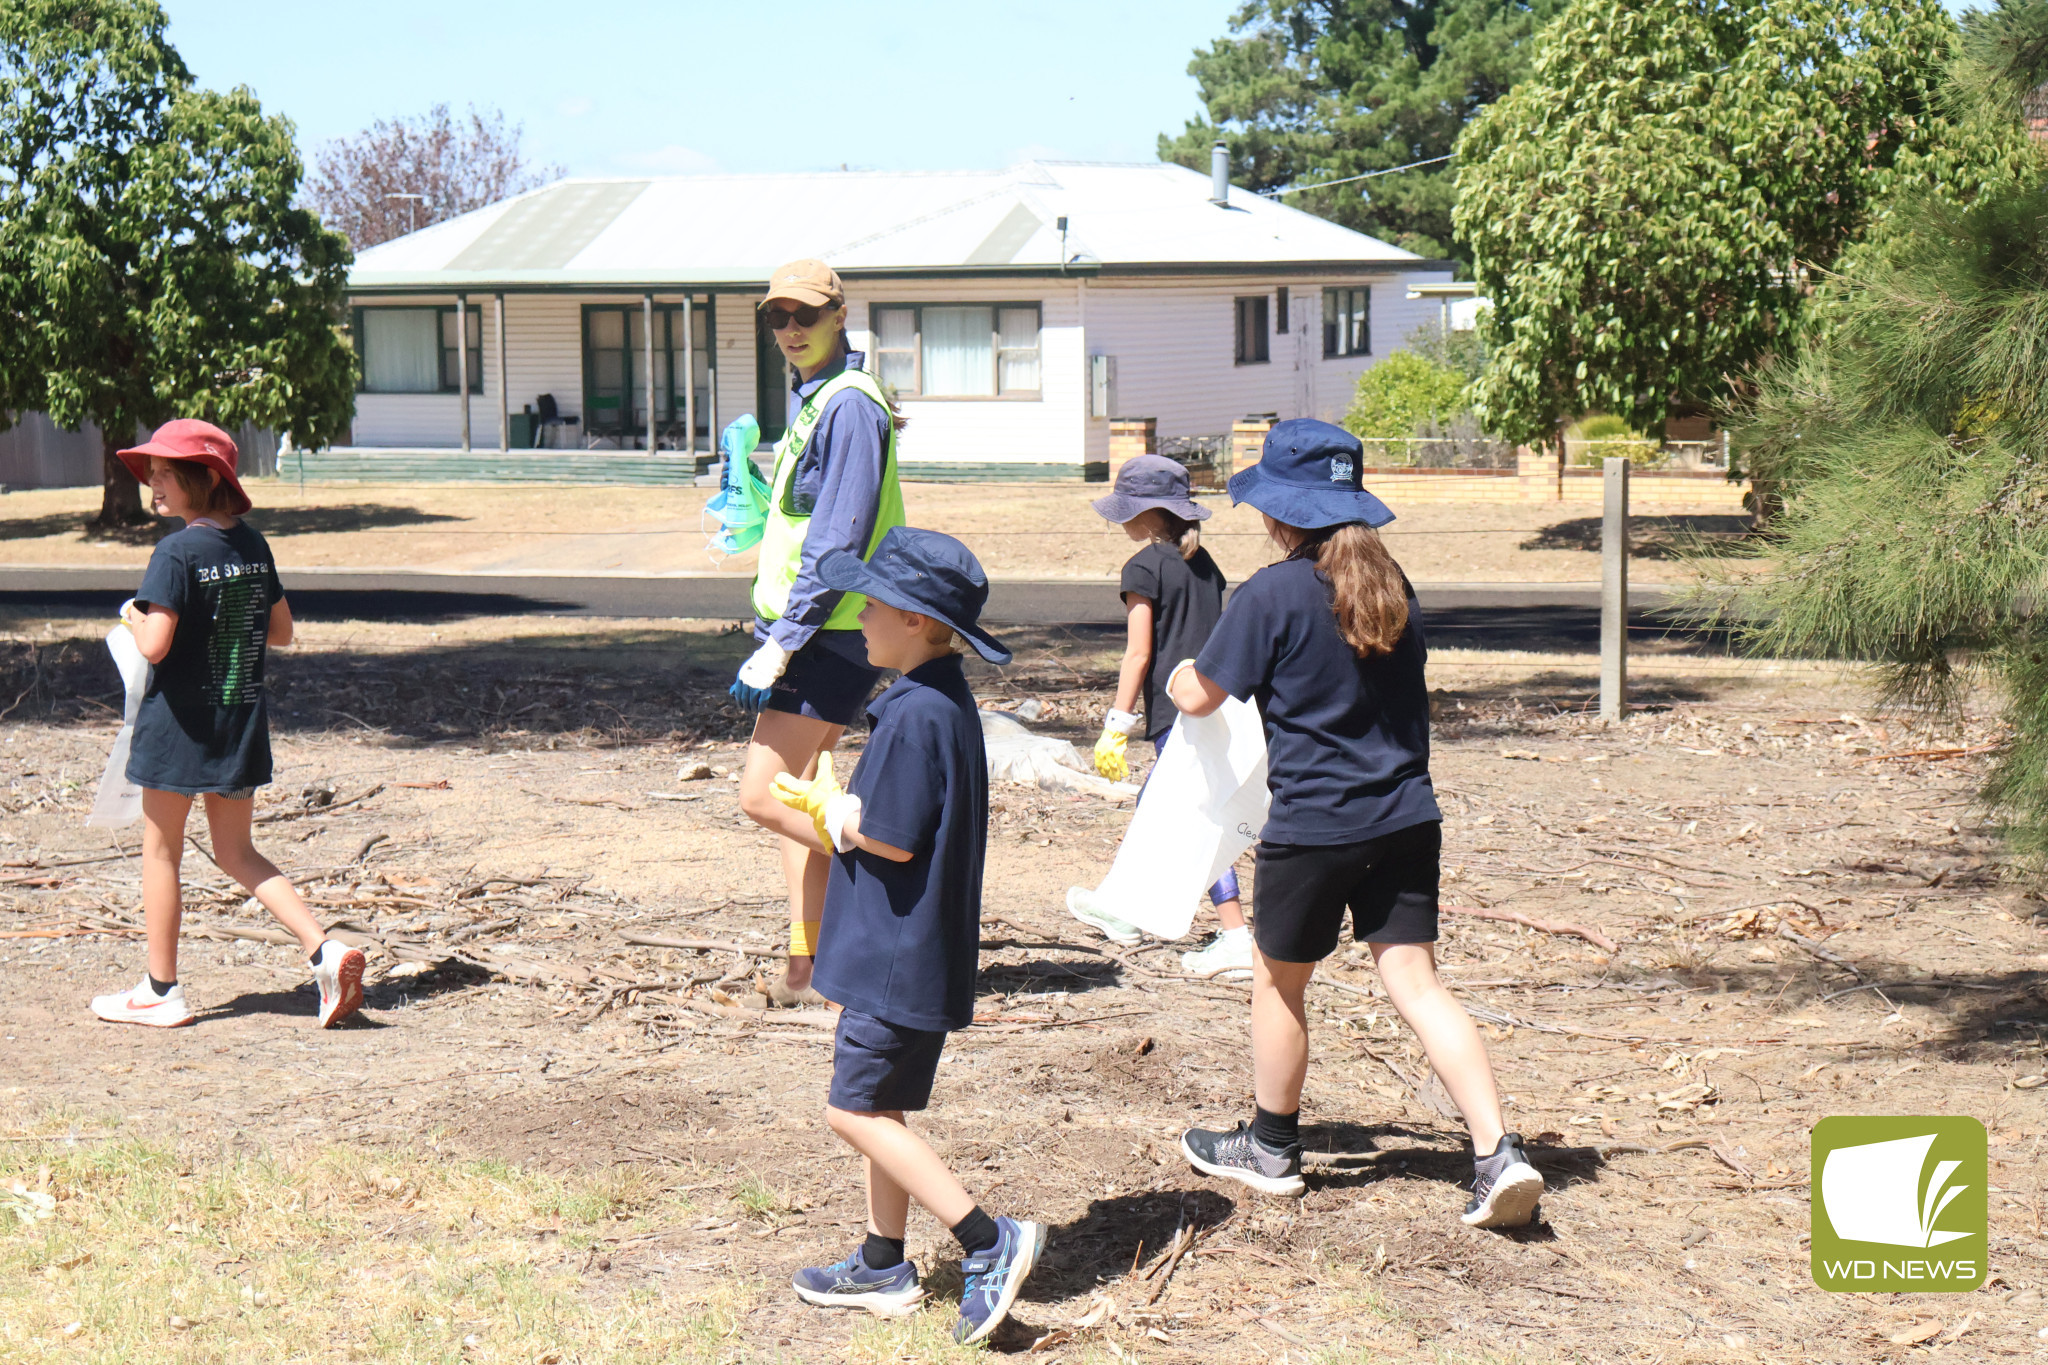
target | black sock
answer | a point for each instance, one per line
(162, 988)
(1276, 1132)
(315, 958)
(976, 1232)
(882, 1253)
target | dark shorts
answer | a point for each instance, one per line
(828, 679)
(878, 1065)
(1389, 884)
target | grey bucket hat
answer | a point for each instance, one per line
(1151, 481)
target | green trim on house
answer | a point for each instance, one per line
(628, 468)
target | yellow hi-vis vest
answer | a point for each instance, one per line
(782, 540)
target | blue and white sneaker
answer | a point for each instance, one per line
(891, 1293)
(994, 1277)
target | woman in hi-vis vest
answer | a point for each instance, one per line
(834, 488)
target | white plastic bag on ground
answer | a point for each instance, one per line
(119, 801)
(1015, 754)
(1202, 808)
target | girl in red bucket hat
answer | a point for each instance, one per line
(209, 606)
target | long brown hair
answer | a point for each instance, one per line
(1368, 591)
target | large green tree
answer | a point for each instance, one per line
(1648, 210)
(1305, 91)
(152, 261)
(1907, 436)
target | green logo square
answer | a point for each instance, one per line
(1900, 1205)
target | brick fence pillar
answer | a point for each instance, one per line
(1248, 441)
(1130, 437)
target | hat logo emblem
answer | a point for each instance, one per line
(1340, 469)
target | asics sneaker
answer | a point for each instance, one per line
(1228, 955)
(993, 1278)
(339, 973)
(144, 1006)
(1237, 1155)
(1505, 1187)
(891, 1293)
(1083, 906)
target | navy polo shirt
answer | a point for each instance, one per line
(902, 941)
(1347, 739)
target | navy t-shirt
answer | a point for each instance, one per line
(1187, 597)
(902, 941)
(1347, 739)
(203, 726)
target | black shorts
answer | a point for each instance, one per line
(877, 1065)
(1389, 883)
(824, 682)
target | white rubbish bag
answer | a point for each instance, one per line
(119, 801)
(1015, 754)
(1203, 806)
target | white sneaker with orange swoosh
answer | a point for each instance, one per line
(339, 972)
(144, 1006)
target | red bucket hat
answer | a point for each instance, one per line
(191, 439)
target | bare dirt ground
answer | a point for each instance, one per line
(1810, 920)
(1019, 531)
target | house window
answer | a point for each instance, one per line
(615, 347)
(1280, 309)
(981, 350)
(1347, 322)
(1252, 329)
(412, 350)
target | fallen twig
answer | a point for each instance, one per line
(272, 817)
(1592, 936)
(1791, 935)
(709, 945)
(810, 1018)
(1933, 753)
(1934, 981)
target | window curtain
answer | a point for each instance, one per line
(401, 350)
(957, 357)
(896, 348)
(1019, 336)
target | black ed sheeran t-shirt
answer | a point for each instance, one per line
(203, 726)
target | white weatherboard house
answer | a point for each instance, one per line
(1013, 313)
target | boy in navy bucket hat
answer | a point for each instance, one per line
(899, 945)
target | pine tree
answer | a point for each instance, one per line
(1906, 438)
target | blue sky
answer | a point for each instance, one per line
(624, 87)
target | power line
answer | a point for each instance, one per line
(1325, 184)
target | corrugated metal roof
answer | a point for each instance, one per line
(734, 229)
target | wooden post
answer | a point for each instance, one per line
(1614, 589)
(462, 362)
(647, 334)
(504, 395)
(690, 373)
(711, 366)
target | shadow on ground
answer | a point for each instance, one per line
(1668, 537)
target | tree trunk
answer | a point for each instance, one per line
(120, 495)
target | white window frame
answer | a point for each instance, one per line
(995, 307)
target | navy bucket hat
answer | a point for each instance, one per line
(923, 571)
(1148, 481)
(1308, 476)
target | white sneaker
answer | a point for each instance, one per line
(1229, 955)
(1083, 906)
(340, 977)
(144, 1006)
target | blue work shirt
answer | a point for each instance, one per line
(902, 941)
(838, 485)
(1347, 739)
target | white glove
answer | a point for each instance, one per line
(1121, 722)
(836, 812)
(127, 607)
(766, 666)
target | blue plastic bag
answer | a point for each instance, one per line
(741, 503)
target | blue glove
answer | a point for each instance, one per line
(757, 676)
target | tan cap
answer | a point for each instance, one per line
(805, 282)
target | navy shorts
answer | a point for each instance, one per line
(878, 1065)
(1389, 884)
(829, 679)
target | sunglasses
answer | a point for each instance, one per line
(805, 315)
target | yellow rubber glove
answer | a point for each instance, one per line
(1109, 755)
(811, 797)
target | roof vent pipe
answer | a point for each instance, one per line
(1219, 174)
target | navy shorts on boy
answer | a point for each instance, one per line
(203, 725)
(877, 1065)
(1187, 599)
(1347, 739)
(901, 942)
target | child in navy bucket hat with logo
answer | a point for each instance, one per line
(1173, 594)
(1329, 643)
(899, 944)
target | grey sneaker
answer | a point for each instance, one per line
(1505, 1187)
(1227, 955)
(1083, 906)
(1237, 1155)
